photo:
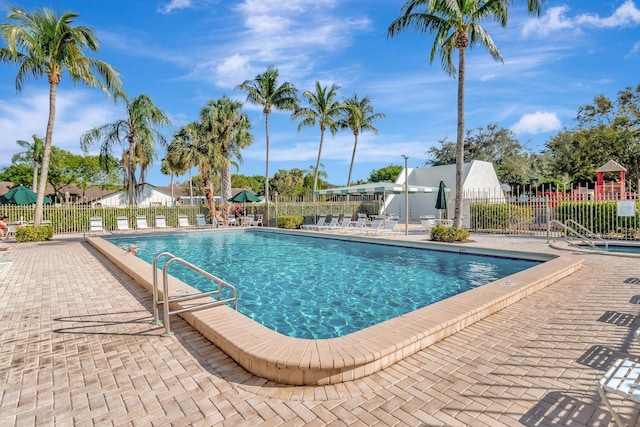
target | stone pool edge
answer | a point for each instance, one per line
(294, 361)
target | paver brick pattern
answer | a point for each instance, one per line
(77, 348)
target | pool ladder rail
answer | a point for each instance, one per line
(166, 301)
(586, 236)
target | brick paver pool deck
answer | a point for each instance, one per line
(77, 348)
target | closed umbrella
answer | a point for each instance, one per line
(21, 195)
(441, 199)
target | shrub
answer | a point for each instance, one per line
(34, 234)
(440, 233)
(290, 222)
(499, 216)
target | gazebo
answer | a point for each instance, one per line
(610, 190)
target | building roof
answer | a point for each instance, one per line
(612, 166)
(378, 188)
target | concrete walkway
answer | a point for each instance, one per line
(77, 348)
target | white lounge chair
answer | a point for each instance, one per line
(161, 221)
(122, 223)
(357, 226)
(201, 221)
(95, 225)
(333, 222)
(183, 221)
(319, 223)
(388, 227)
(232, 220)
(427, 222)
(141, 222)
(343, 224)
(375, 225)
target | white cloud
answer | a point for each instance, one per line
(537, 122)
(634, 50)
(626, 15)
(174, 4)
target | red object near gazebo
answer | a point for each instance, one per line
(610, 190)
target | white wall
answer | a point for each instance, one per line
(149, 196)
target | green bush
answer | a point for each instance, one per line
(440, 233)
(599, 217)
(499, 216)
(34, 234)
(290, 222)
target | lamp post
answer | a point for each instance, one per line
(406, 195)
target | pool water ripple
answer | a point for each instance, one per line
(314, 288)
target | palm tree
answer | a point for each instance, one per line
(228, 129)
(264, 91)
(456, 25)
(359, 117)
(33, 155)
(323, 110)
(137, 133)
(167, 167)
(41, 43)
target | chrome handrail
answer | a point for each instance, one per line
(166, 300)
(568, 230)
(588, 232)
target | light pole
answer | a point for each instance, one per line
(406, 195)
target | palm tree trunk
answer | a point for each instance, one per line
(225, 188)
(46, 154)
(315, 174)
(132, 174)
(266, 172)
(457, 213)
(35, 176)
(353, 158)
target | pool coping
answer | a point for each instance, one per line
(282, 359)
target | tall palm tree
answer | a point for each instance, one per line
(359, 117)
(323, 110)
(456, 25)
(33, 155)
(138, 133)
(264, 91)
(168, 167)
(229, 129)
(41, 43)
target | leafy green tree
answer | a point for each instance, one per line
(265, 91)
(386, 174)
(17, 173)
(42, 43)
(167, 167)
(456, 25)
(255, 182)
(324, 111)
(137, 134)
(33, 155)
(314, 179)
(359, 117)
(288, 183)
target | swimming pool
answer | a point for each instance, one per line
(316, 288)
(617, 249)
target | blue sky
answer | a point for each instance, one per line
(182, 53)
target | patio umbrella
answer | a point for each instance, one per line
(441, 199)
(243, 197)
(21, 195)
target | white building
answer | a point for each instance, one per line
(148, 195)
(479, 181)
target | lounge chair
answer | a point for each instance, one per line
(161, 221)
(623, 379)
(232, 220)
(201, 221)
(183, 221)
(358, 226)
(333, 222)
(389, 226)
(258, 220)
(141, 222)
(427, 222)
(95, 225)
(122, 223)
(319, 223)
(343, 224)
(375, 225)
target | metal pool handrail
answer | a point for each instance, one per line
(568, 230)
(166, 300)
(587, 232)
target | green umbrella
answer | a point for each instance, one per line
(441, 198)
(243, 197)
(21, 195)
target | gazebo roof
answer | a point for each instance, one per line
(612, 166)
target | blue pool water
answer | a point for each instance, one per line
(619, 249)
(309, 287)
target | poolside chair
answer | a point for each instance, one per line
(258, 220)
(232, 220)
(161, 221)
(183, 221)
(122, 223)
(201, 221)
(388, 227)
(141, 222)
(95, 225)
(427, 222)
(376, 224)
(11, 231)
(319, 223)
(343, 224)
(333, 222)
(357, 226)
